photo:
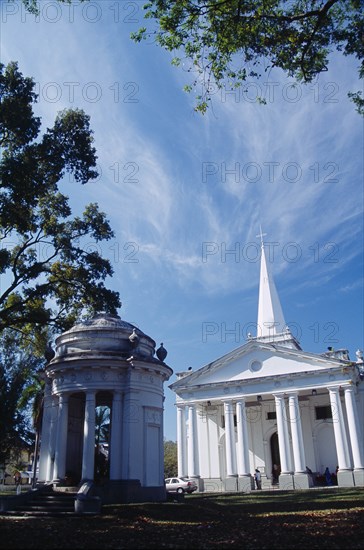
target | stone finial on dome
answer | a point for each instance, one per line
(134, 339)
(49, 352)
(161, 353)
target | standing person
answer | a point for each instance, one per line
(310, 473)
(328, 477)
(275, 474)
(258, 478)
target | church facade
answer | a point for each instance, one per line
(270, 406)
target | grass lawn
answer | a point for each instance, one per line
(327, 518)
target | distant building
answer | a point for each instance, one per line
(271, 406)
(20, 460)
(105, 362)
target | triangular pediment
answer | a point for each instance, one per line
(256, 360)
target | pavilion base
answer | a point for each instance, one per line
(125, 491)
(359, 478)
(345, 478)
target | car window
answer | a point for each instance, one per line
(175, 480)
(168, 480)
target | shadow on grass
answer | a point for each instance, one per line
(311, 519)
(206, 506)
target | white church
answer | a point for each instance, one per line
(271, 406)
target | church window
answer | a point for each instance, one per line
(255, 366)
(324, 412)
(271, 415)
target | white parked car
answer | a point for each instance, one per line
(180, 485)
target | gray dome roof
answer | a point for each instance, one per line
(104, 332)
(105, 320)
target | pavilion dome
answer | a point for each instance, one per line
(104, 333)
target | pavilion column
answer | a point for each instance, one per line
(59, 471)
(52, 439)
(46, 431)
(192, 449)
(339, 430)
(231, 469)
(181, 440)
(296, 431)
(355, 432)
(243, 439)
(88, 455)
(115, 455)
(283, 436)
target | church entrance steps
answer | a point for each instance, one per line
(45, 503)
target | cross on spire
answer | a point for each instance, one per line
(261, 235)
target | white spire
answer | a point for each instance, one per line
(270, 316)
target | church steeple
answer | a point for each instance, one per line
(271, 324)
(270, 315)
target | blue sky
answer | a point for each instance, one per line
(186, 193)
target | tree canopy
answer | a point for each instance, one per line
(229, 41)
(170, 458)
(49, 276)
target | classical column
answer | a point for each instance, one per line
(46, 430)
(192, 450)
(52, 438)
(243, 439)
(339, 430)
(59, 470)
(231, 470)
(88, 455)
(283, 437)
(354, 428)
(115, 452)
(181, 440)
(296, 431)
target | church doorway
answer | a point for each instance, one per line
(276, 462)
(326, 448)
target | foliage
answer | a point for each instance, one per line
(170, 458)
(102, 424)
(51, 278)
(229, 41)
(33, 5)
(18, 364)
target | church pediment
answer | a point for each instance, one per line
(255, 360)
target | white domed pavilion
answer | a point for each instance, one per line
(105, 361)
